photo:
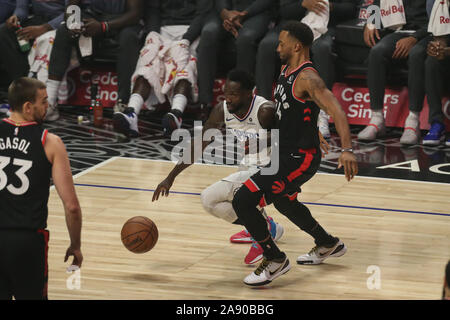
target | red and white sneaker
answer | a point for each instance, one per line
(276, 231)
(255, 254)
(241, 237)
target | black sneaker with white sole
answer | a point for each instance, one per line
(126, 122)
(171, 121)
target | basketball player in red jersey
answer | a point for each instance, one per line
(29, 157)
(300, 94)
(243, 115)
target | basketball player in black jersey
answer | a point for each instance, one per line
(299, 94)
(29, 157)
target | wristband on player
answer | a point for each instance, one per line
(105, 27)
(347, 150)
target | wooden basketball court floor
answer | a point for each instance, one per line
(397, 234)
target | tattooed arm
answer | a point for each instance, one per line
(310, 86)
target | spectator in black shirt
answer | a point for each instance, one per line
(244, 22)
(6, 9)
(102, 19)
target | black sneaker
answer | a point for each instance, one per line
(171, 121)
(126, 122)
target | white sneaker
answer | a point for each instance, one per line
(267, 271)
(126, 122)
(318, 254)
(376, 128)
(411, 133)
(323, 125)
(52, 114)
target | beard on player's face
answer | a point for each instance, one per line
(235, 106)
(284, 57)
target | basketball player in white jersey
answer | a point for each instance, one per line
(243, 115)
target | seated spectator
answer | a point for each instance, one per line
(244, 22)
(322, 48)
(101, 19)
(437, 69)
(402, 40)
(167, 65)
(268, 60)
(6, 9)
(47, 15)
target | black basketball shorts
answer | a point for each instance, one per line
(23, 264)
(294, 170)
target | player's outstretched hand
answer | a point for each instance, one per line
(348, 161)
(77, 256)
(162, 188)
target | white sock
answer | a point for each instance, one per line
(377, 115)
(52, 92)
(414, 114)
(136, 102)
(179, 102)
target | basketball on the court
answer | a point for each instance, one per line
(139, 234)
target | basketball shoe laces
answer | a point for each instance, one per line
(313, 250)
(264, 264)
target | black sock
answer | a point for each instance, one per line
(271, 251)
(321, 237)
(300, 215)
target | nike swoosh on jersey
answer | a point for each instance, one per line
(229, 119)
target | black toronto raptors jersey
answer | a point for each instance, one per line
(298, 118)
(24, 176)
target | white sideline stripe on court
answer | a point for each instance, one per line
(82, 173)
(325, 173)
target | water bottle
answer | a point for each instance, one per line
(23, 44)
(98, 113)
(94, 91)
